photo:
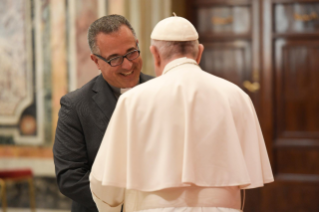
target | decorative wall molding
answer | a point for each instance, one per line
(16, 71)
(25, 128)
(72, 44)
(59, 68)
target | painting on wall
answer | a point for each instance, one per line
(19, 100)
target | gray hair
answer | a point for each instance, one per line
(168, 49)
(106, 24)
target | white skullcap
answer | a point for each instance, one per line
(174, 29)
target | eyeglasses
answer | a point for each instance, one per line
(119, 60)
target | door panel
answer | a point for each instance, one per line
(292, 74)
(297, 161)
(224, 19)
(228, 60)
(296, 128)
(292, 196)
(298, 17)
(284, 34)
(297, 89)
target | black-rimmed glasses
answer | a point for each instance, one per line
(116, 61)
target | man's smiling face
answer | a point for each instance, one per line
(113, 45)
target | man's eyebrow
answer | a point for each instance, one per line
(112, 56)
(131, 49)
(116, 55)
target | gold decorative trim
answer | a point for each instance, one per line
(222, 21)
(305, 17)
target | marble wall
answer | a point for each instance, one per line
(15, 67)
(86, 13)
(17, 99)
(43, 55)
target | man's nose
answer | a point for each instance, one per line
(127, 64)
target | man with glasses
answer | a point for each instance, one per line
(85, 113)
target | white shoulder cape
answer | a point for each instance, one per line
(185, 127)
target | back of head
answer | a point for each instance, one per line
(175, 36)
(170, 49)
(106, 24)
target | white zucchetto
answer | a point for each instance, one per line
(174, 29)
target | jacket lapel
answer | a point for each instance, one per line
(104, 97)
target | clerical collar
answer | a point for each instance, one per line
(178, 62)
(118, 91)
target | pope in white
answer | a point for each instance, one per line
(185, 141)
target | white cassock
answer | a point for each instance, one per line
(186, 140)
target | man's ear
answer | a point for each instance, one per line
(156, 56)
(95, 60)
(200, 53)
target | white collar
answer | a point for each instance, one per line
(178, 62)
(123, 90)
(118, 91)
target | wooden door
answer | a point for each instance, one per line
(290, 94)
(229, 31)
(274, 43)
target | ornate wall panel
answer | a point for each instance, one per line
(21, 98)
(16, 76)
(86, 13)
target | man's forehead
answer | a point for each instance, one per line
(118, 42)
(111, 39)
(122, 31)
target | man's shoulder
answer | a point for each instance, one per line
(145, 77)
(147, 88)
(147, 82)
(82, 93)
